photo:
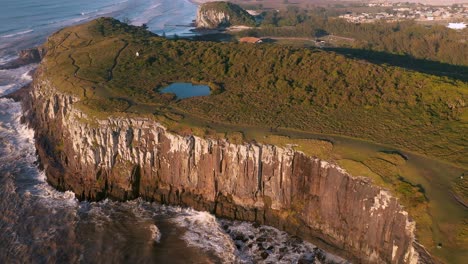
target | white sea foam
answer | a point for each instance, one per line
(89, 12)
(17, 33)
(13, 79)
(155, 233)
(19, 152)
(147, 15)
(203, 231)
(17, 156)
(163, 16)
(6, 58)
(265, 244)
(240, 242)
(8, 87)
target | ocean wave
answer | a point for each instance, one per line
(163, 15)
(147, 14)
(17, 33)
(203, 231)
(5, 88)
(7, 58)
(13, 79)
(50, 217)
(84, 13)
(19, 154)
(265, 244)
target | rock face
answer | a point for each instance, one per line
(211, 19)
(125, 158)
(25, 57)
(222, 14)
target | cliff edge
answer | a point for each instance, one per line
(124, 158)
(221, 15)
(102, 131)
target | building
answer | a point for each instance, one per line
(456, 25)
(250, 40)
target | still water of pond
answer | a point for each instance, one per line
(186, 90)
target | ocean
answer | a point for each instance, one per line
(41, 225)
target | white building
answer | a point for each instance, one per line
(456, 25)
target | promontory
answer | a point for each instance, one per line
(341, 152)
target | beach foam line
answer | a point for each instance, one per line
(17, 33)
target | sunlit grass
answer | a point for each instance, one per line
(260, 90)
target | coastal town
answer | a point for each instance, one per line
(454, 16)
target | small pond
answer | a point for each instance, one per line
(186, 90)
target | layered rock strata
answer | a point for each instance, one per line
(221, 15)
(212, 19)
(125, 158)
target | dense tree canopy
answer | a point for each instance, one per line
(406, 37)
(262, 85)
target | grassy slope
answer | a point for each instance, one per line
(258, 89)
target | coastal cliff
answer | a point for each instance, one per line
(129, 157)
(222, 14)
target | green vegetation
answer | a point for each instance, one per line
(385, 169)
(387, 166)
(267, 85)
(312, 147)
(460, 189)
(237, 15)
(279, 95)
(436, 42)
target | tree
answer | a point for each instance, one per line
(126, 20)
(320, 33)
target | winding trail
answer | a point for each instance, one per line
(77, 68)
(111, 71)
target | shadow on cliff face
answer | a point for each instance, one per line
(458, 72)
(136, 177)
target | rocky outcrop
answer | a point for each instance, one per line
(124, 158)
(25, 57)
(211, 19)
(221, 15)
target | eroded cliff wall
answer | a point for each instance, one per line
(124, 158)
(221, 14)
(211, 19)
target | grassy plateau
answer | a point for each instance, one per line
(404, 129)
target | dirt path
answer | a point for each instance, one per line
(111, 71)
(290, 38)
